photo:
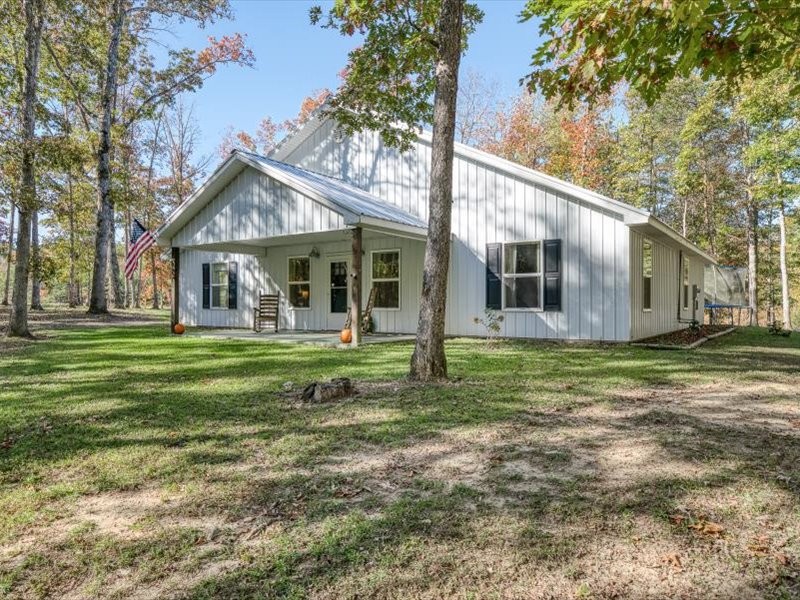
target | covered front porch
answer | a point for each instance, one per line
(326, 248)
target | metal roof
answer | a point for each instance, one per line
(343, 195)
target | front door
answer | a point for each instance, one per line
(338, 293)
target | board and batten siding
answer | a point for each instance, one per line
(491, 205)
(268, 274)
(666, 285)
(255, 206)
(191, 311)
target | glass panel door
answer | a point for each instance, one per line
(339, 286)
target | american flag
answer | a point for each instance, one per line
(141, 240)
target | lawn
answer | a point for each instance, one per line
(134, 464)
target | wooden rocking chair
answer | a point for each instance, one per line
(268, 311)
(366, 317)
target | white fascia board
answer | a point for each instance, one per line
(391, 228)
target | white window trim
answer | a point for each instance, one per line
(289, 284)
(398, 279)
(686, 282)
(652, 269)
(540, 275)
(219, 285)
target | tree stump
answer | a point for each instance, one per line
(340, 387)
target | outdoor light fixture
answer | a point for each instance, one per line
(314, 253)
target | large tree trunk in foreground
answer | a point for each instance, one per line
(7, 290)
(787, 314)
(428, 361)
(105, 211)
(34, 16)
(36, 264)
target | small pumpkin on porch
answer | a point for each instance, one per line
(346, 336)
(179, 329)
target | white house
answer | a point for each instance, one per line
(558, 260)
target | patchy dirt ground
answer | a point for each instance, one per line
(668, 489)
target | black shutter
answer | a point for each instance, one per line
(233, 283)
(552, 275)
(494, 281)
(206, 285)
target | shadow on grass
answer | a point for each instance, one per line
(123, 409)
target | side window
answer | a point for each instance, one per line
(647, 275)
(685, 283)
(522, 275)
(300, 282)
(219, 285)
(386, 278)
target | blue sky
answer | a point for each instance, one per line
(293, 59)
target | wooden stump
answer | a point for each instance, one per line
(340, 387)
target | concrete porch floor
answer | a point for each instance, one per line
(327, 339)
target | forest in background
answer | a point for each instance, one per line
(719, 165)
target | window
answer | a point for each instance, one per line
(386, 278)
(685, 283)
(522, 275)
(647, 275)
(300, 282)
(219, 285)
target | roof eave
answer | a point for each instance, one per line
(676, 237)
(391, 227)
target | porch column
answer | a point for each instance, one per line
(356, 289)
(176, 301)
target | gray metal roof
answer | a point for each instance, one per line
(347, 197)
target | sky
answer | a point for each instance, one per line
(294, 58)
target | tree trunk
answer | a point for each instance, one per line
(74, 296)
(156, 304)
(137, 292)
(116, 278)
(785, 302)
(752, 258)
(7, 289)
(128, 282)
(684, 217)
(36, 264)
(429, 361)
(34, 18)
(105, 211)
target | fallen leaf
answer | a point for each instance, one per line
(677, 519)
(782, 558)
(795, 423)
(707, 527)
(759, 545)
(673, 559)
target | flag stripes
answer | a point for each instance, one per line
(141, 240)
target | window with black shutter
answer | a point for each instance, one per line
(206, 285)
(233, 284)
(552, 275)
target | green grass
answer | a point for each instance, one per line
(210, 481)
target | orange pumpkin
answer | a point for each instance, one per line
(346, 336)
(179, 328)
